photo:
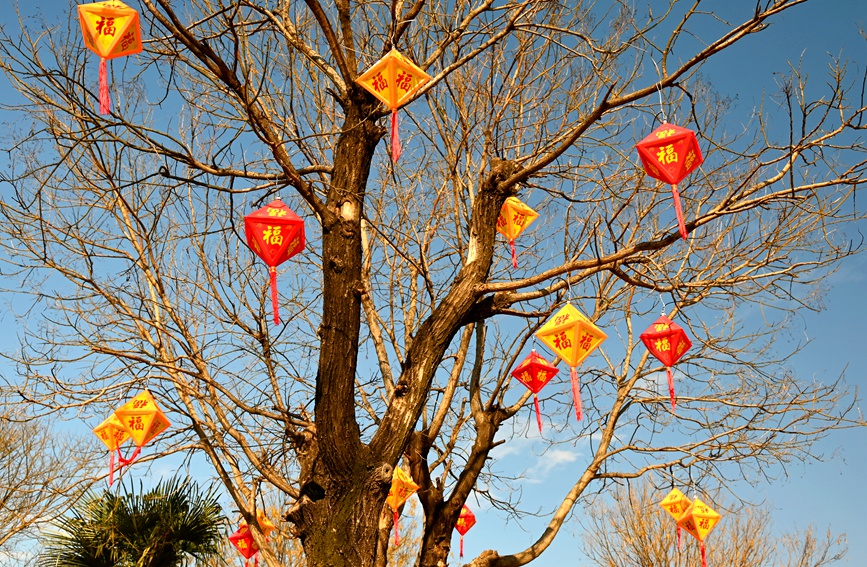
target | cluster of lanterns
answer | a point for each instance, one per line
(243, 540)
(275, 234)
(694, 516)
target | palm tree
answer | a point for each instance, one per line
(160, 528)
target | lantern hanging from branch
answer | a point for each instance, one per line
(668, 342)
(266, 526)
(402, 487)
(394, 79)
(465, 521)
(113, 434)
(698, 520)
(514, 217)
(675, 504)
(572, 336)
(669, 154)
(275, 234)
(111, 29)
(143, 420)
(245, 544)
(534, 372)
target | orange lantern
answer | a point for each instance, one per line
(244, 542)
(669, 154)
(143, 420)
(112, 433)
(572, 336)
(534, 372)
(699, 519)
(675, 504)
(465, 521)
(667, 341)
(402, 487)
(111, 29)
(275, 234)
(514, 217)
(265, 525)
(393, 80)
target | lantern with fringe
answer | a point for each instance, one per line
(669, 154)
(668, 342)
(572, 336)
(465, 521)
(698, 520)
(514, 217)
(113, 434)
(245, 544)
(143, 420)
(534, 372)
(111, 29)
(393, 80)
(402, 487)
(275, 234)
(675, 504)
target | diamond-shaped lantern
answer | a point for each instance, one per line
(667, 341)
(514, 217)
(275, 234)
(572, 336)
(402, 487)
(245, 544)
(113, 434)
(393, 80)
(669, 154)
(265, 525)
(465, 521)
(534, 372)
(111, 29)
(698, 520)
(675, 504)
(143, 420)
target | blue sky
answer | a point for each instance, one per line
(829, 495)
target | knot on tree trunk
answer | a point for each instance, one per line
(381, 475)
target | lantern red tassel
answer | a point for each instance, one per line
(576, 394)
(703, 555)
(396, 522)
(670, 376)
(395, 138)
(104, 98)
(538, 413)
(514, 254)
(275, 303)
(678, 210)
(462, 546)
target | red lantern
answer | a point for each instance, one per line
(244, 542)
(534, 372)
(111, 29)
(275, 234)
(465, 521)
(668, 342)
(669, 154)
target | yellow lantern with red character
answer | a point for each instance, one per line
(698, 520)
(113, 434)
(675, 504)
(515, 217)
(669, 154)
(402, 487)
(143, 420)
(394, 79)
(572, 336)
(111, 29)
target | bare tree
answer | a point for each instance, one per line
(403, 317)
(633, 531)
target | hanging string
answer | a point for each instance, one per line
(659, 91)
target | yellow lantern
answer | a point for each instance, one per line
(111, 29)
(402, 487)
(265, 525)
(572, 336)
(675, 504)
(699, 519)
(514, 217)
(393, 80)
(142, 419)
(112, 433)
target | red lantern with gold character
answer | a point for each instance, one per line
(668, 342)
(669, 154)
(275, 234)
(572, 336)
(402, 487)
(143, 420)
(675, 504)
(534, 372)
(514, 217)
(245, 544)
(111, 29)
(698, 520)
(113, 434)
(465, 521)
(393, 80)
